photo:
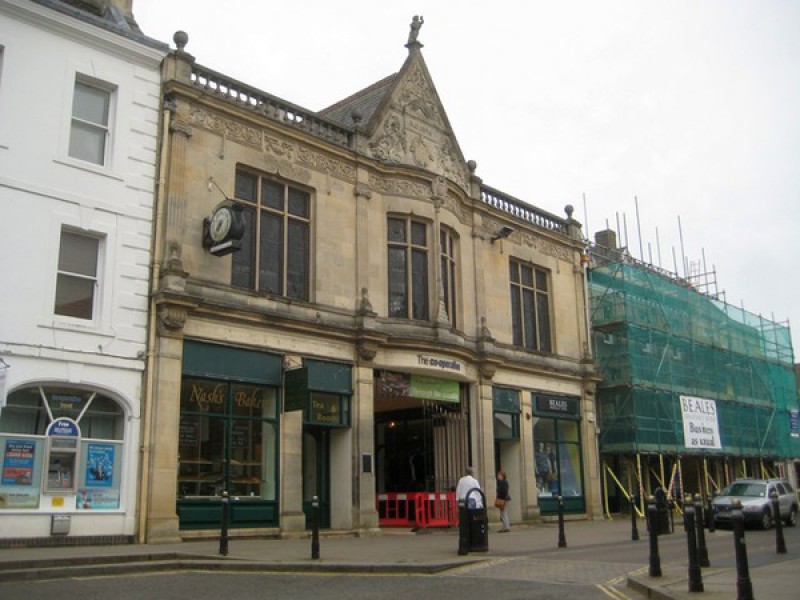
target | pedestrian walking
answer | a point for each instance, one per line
(502, 499)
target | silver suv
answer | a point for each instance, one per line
(754, 494)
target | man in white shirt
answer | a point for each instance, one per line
(465, 484)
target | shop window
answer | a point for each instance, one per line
(530, 306)
(557, 458)
(408, 268)
(228, 440)
(275, 254)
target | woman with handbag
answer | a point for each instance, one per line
(502, 499)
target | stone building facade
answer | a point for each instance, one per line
(344, 310)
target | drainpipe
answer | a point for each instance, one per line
(155, 270)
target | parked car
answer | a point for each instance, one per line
(754, 494)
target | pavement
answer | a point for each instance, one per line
(599, 544)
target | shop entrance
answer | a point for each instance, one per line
(317, 473)
(423, 448)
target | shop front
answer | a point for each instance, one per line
(558, 452)
(228, 437)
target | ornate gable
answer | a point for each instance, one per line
(411, 127)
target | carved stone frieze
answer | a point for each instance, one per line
(454, 206)
(228, 128)
(399, 187)
(324, 164)
(279, 147)
(546, 247)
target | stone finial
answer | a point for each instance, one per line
(569, 209)
(357, 116)
(181, 38)
(472, 166)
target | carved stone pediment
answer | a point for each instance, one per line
(414, 129)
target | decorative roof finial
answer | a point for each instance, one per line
(416, 24)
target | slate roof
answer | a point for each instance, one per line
(365, 101)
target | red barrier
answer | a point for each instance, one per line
(396, 510)
(436, 509)
(418, 509)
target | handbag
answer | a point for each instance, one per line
(499, 503)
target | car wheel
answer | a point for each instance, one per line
(766, 519)
(791, 520)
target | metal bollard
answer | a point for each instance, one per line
(744, 587)
(780, 542)
(315, 528)
(671, 508)
(223, 534)
(702, 549)
(695, 575)
(562, 540)
(652, 527)
(463, 528)
(712, 525)
(634, 529)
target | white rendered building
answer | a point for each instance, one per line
(79, 114)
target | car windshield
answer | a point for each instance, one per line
(753, 490)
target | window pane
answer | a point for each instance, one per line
(200, 395)
(272, 194)
(527, 276)
(243, 265)
(543, 320)
(420, 284)
(419, 234)
(516, 316)
(513, 271)
(246, 186)
(78, 254)
(299, 202)
(74, 297)
(270, 275)
(397, 230)
(567, 430)
(569, 467)
(87, 142)
(90, 104)
(541, 280)
(397, 283)
(297, 261)
(529, 319)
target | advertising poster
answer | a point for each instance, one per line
(794, 421)
(700, 423)
(100, 465)
(93, 499)
(18, 462)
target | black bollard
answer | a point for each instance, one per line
(562, 540)
(702, 549)
(652, 527)
(223, 534)
(744, 587)
(315, 528)
(463, 528)
(780, 542)
(695, 575)
(671, 508)
(634, 529)
(712, 525)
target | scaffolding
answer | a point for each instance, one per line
(657, 338)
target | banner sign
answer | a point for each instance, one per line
(402, 385)
(794, 423)
(700, 423)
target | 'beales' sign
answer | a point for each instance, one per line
(700, 423)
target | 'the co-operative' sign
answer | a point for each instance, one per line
(700, 423)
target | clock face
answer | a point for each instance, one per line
(220, 225)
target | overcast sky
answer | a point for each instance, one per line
(690, 106)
